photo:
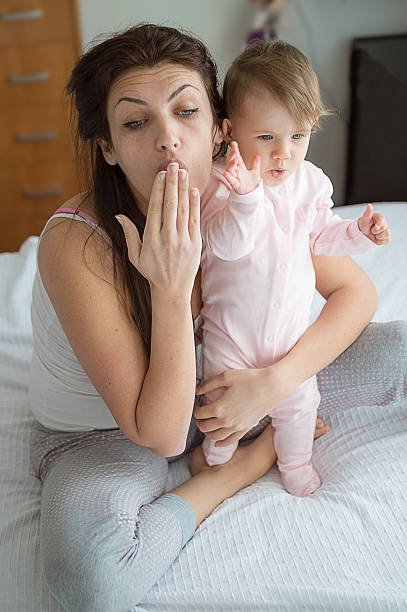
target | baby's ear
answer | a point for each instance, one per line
(227, 130)
(218, 136)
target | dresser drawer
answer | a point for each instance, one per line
(28, 190)
(31, 21)
(34, 74)
(15, 231)
(40, 133)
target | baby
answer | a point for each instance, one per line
(264, 212)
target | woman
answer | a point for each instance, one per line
(114, 335)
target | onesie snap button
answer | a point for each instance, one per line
(276, 305)
(283, 267)
(286, 229)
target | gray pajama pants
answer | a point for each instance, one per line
(108, 533)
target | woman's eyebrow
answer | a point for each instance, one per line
(143, 103)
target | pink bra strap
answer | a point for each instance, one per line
(79, 213)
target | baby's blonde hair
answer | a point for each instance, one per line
(283, 70)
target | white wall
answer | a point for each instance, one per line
(322, 29)
(223, 35)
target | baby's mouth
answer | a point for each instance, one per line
(278, 173)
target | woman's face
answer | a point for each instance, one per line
(157, 115)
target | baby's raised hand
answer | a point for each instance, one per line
(374, 226)
(242, 180)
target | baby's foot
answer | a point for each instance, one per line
(321, 428)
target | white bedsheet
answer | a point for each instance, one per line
(343, 549)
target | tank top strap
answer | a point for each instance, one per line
(72, 213)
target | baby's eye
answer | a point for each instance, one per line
(298, 136)
(188, 112)
(266, 137)
(133, 125)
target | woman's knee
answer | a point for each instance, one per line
(94, 565)
(372, 371)
(90, 508)
(99, 585)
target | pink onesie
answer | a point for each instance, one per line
(258, 283)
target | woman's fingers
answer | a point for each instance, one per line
(155, 205)
(210, 384)
(220, 434)
(132, 239)
(170, 204)
(183, 201)
(235, 437)
(194, 223)
(208, 425)
(181, 205)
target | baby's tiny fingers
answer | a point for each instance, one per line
(379, 229)
(379, 221)
(231, 179)
(384, 236)
(232, 162)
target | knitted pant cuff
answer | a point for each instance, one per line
(183, 511)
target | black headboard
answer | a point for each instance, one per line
(377, 145)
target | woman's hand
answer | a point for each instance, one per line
(170, 252)
(249, 395)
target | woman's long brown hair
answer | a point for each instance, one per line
(144, 45)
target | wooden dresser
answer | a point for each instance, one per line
(39, 44)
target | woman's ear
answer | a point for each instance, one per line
(227, 130)
(107, 150)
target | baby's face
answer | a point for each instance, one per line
(264, 126)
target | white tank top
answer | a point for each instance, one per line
(61, 395)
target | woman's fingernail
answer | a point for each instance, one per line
(120, 220)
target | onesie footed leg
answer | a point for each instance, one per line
(216, 455)
(300, 480)
(211, 485)
(295, 422)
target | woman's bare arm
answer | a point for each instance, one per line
(351, 303)
(152, 399)
(108, 345)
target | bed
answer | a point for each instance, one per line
(343, 549)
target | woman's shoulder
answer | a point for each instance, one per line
(71, 229)
(68, 241)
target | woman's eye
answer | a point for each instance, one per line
(188, 112)
(135, 124)
(266, 137)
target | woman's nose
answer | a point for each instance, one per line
(167, 136)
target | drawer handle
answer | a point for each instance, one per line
(22, 16)
(42, 193)
(17, 79)
(37, 137)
